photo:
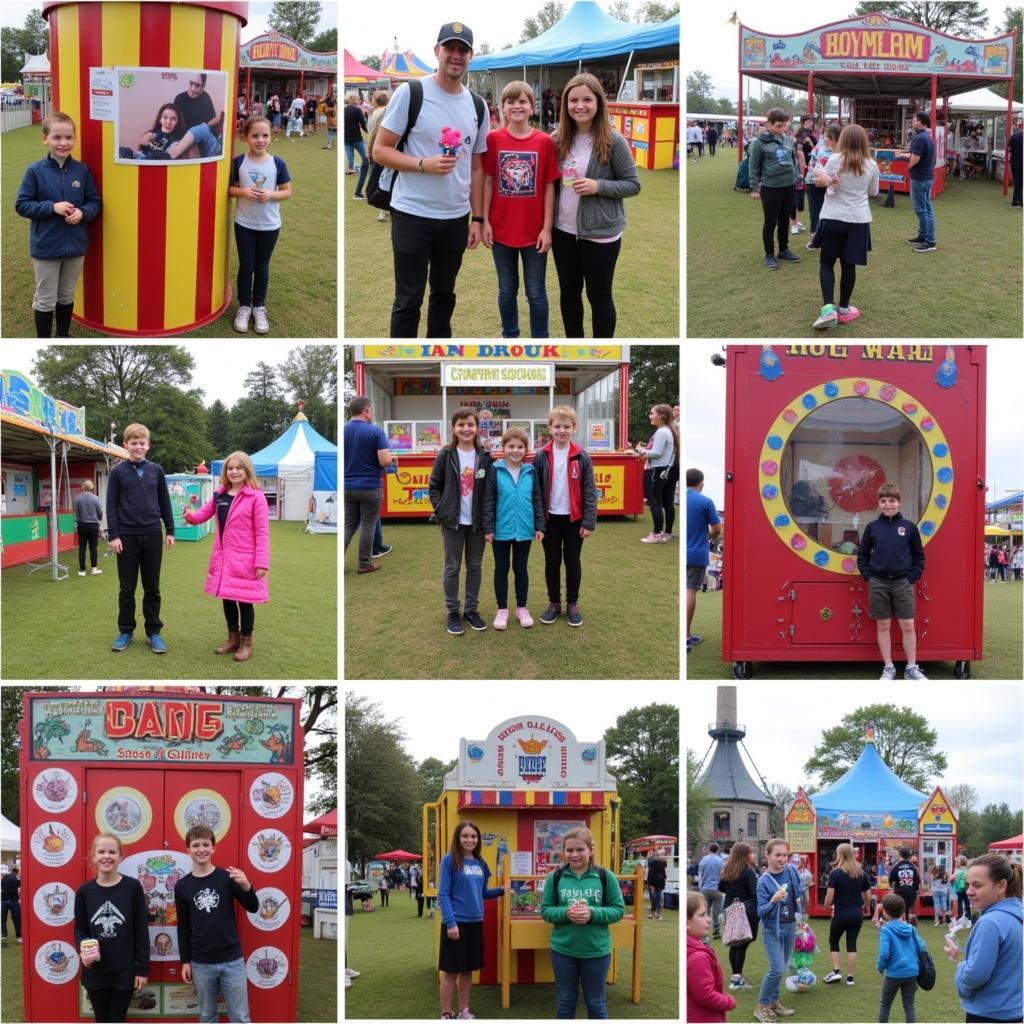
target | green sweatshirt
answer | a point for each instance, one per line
(773, 161)
(592, 939)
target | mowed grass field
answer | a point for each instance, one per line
(629, 598)
(970, 288)
(302, 300)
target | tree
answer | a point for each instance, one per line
(650, 12)
(699, 801)
(997, 822)
(699, 91)
(483, 49)
(774, 96)
(296, 19)
(32, 38)
(371, 61)
(903, 739)
(311, 374)
(431, 772)
(325, 42)
(724, 105)
(965, 18)
(653, 380)
(218, 427)
(551, 13)
(963, 796)
(783, 797)
(619, 9)
(1013, 18)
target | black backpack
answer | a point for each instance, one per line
(925, 970)
(378, 192)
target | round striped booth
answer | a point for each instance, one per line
(157, 259)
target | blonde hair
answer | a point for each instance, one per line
(854, 148)
(135, 430)
(580, 832)
(247, 466)
(694, 902)
(563, 412)
(88, 485)
(105, 835)
(514, 90)
(515, 433)
(846, 860)
(600, 129)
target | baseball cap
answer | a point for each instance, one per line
(455, 30)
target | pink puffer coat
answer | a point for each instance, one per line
(244, 548)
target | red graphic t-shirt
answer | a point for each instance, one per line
(520, 168)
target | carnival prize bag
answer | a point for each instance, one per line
(736, 931)
(804, 949)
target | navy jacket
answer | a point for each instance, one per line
(134, 505)
(891, 549)
(45, 183)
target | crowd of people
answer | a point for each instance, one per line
(1004, 562)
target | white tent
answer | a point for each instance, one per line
(10, 836)
(980, 101)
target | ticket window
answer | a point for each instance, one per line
(934, 852)
(657, 85)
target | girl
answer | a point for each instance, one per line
(705, 998)
(844, 231)
(156, 144)
(330, 116)
(824, 148)
(259, 182)
(598, 172)
(111, 932)
(804, 142)
(513, 517)
(240, 559)
(458, 482)
(460, 895)
(580, 901)
(380, 104)
(849, 890)
(659, 484)
(518, 215)
(940, 894)
(959, 887)
(988, 981)
(773, 174)
(739, 882)
(778, 903)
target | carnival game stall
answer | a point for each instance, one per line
(525, 785)
(884, 70)
(977, 127)
(322, 516)
(231, 763)
(190, 491)
(274, 63)
(812, 432)
(1012, 849)
(415, 388)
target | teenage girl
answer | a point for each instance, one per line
(849, 893)
(988, 981)
(739, 882)
(240, 559)
(659, 483)
(457, 485)
(705, 996)
(778, 903)
(461, 892)
(259, 182)
(580, 901)
(111, 910)
(940, 894)
(598, 172)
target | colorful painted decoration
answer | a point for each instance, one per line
(770, 367)
(945, 375)
(854, 481)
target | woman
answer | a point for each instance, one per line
(778, 903)
(657, 869)
(848, 893)
(659, 485)
(739, 883)
(959, 888)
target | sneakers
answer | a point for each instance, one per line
(572, 615)
(351, 972)
(781, 1011)
(831, 978)
(369, 567)
(386, 550)
(474, 620)
(888, 673)
(771, 263)
(524, 617)
(242, 318)
(455, 623)
(259, 314)
(826, 318)
(916, 240)
(464, 1015)
(789, 256)
(765, 1014)
(382, 216)
(797, 228)
(501, 619)
(357, 195)
(654, 538)
(692, 640)
(739, 984)
(95, 572)
(925, 247)
(122, 641)
(81, 572)
(913, 672)
(550, 613)
(849, 979)
(853, 313)
(156, 642)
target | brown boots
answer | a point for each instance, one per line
(244, 652)
(230, 647)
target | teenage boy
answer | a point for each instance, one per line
(208, 943)
(905, 882)
(702, 527)
(773, 176)
(891, 560)
(137, 501)
(566, 477)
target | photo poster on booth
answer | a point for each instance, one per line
(146, 127)
(547, 843)
(493, 415)
(399, 434)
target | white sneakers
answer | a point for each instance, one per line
(259, 314)
(242, 318)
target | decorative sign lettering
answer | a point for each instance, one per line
(20, 396)
(460, 375)
(576, 353)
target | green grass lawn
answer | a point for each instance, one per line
(394, 951)
(646, 277)
(317, 980)
(302, 301)
(64, 630)
(970, 288)
(1002, 646)
(629, 597)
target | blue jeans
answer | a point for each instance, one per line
(229, 977)
(351, 148)
(573, 971)
(941, 903)
(506, 261)
(921, 197)
(778, 946)
(208, 143)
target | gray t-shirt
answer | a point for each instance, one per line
(88, 508)
(262, 174)
(438, 196)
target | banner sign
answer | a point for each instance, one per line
(837, 824)
(461, 375)
(20, 396)
(561, 352)
(274, 50)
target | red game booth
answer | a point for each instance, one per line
(232, 763)
(812, 432)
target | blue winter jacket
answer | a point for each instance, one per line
(513, 510)
(45, 183)
(898, 946)
(988, 981)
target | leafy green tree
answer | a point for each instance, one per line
(998, 822)
(699, 92)
(371, 61)
(1013, 18)
(619, 9)
(550, 14)
(651, 12)
(32, 38)
(653, 380)
(775, 96)
(325, 42)
(964, 796)
(320, 720)
(699, 801)
(297, 19)
(431, 772)
(783, 797)
(218, 421)
(964, 18)
(311, 375)
(178, 429)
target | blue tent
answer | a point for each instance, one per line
(869, 787)
(323, 517)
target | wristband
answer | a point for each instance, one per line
(477, 220)
(420, 168)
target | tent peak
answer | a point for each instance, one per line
(300, 416)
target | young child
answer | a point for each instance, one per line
(259, 182)
(240, 559)
(330, 116)
(705, 983)
(823, 149)
(157, 142)
(898, 946)
(137, 502)
(462, 889)
(520, 171)
(659, 484)
(513, 518)
(58, 195)
(458, 482)
(773, 173)
(294, 123)
(891, 560)
(988, 981)
(208, 942)
(111, 932)
(569, 497)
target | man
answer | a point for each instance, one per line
(437, 187)
(922, 174)
(712, 136)
(1016, 150)
(702, 526)
(709, 874)
(366, 454)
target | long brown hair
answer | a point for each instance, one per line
(1001, 869)
(456, 848)
(600, 129)
(737, 861)
(462, 413)
(854, 149)
(669, 417)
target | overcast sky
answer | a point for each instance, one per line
(980, 734)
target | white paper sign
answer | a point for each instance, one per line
(522, 862)
(102, 82)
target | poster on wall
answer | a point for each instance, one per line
(547, 843)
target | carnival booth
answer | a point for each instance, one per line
(977, 133)
(871, 808)
(812, 432)
(231, 763)
(35, 74)
(525, 786)
(274, 63)
(190, 491)
(322, 516)
(415, 389)
(320, 875)
(883, 70)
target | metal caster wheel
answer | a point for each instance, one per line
(962, 670)
(743, 669)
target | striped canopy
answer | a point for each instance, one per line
(403, 64)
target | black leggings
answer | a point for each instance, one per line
(777, 204)
(846, 920)
(738, 954)
(88, 535)
(110, 1004)
(562, 541)
(254, 250)
(827, 277)
(520, 552)
(240, 610)
(580, 262)
(660, 498)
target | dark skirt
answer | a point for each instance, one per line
(465, 954)
(841, 240)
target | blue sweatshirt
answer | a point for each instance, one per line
(767, 886)
(891, 549)
(897, 950)
(46, 182)
(461, 896)
(988, 980)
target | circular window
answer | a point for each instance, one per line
(827, 454)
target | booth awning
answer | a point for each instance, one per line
(398, 855)
(358, 73)
(325, 825)
(1014, 843)
(404, 64)
(531, 798)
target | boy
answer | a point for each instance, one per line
(898, 946)
(905, 882)
(137, 500)
(891, 560)
(566, 477)
(58, 195)
(773, 176)
(210, 950)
